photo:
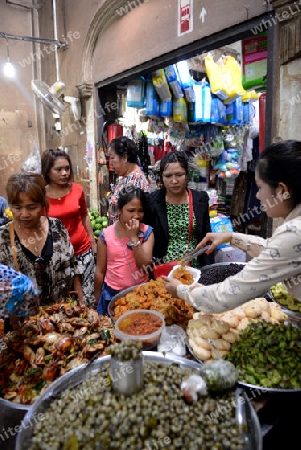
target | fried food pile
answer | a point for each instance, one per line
(60, 338)
(154, 295)
(211, 336)
(183, 275)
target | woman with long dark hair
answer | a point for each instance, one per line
(277, 259)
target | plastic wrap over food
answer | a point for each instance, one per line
(219, 375)
(193, 387)
(14, 286)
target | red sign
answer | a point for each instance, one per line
(185, 16)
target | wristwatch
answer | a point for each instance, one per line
(133, 244)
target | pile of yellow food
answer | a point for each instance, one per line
(210, 335)
(154, 295)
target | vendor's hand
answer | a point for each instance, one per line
(214, 240)
(132, 229)
(171, 285)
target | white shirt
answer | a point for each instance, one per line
(277, 259)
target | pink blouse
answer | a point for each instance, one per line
(122, 270)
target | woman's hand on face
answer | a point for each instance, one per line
(132, 229)
(214, 240)
(171, 285)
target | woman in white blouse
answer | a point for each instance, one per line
(277, 259)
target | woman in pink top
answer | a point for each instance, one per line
(124, 249)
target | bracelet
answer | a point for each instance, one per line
(133, 244)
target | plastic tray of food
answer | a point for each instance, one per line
(195, 273)
(245, 416)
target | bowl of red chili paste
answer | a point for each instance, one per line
(143, 325)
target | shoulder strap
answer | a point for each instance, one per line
(12, 243)
(190, 215)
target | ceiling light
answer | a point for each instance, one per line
(9, 70)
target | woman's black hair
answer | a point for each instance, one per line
(29, 183)
(48, 159)
(128, 193)
(281, 163)
(174, 157)
(125, 147)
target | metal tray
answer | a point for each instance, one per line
(245, 414)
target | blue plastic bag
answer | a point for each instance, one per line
(14, 287)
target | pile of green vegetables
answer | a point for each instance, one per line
(285, 299)
(268, 355)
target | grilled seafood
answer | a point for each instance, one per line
(61, 337)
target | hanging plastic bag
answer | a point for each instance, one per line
(33, 162)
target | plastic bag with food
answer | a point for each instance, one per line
(33, 162)
(172, 340)
(219, 375)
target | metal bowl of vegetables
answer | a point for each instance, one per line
(80, 410)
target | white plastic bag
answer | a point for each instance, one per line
(33, 162)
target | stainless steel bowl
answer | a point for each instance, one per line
(246, 416)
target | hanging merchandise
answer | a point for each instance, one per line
(166, 108)
(143, 153)
(161, 85)
(206, 101)
(234, 112)
(228, 166)
(224, 77)
(173, 79)
(215, 78)
(180, 112)
(218, 111)
(184, 74)
(254, 60)
(135, 96)
(234, 75)
(152, 101)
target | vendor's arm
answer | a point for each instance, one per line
(248, 243)
(280, 260)
(101, 268)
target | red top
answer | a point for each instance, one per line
(70, 209)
